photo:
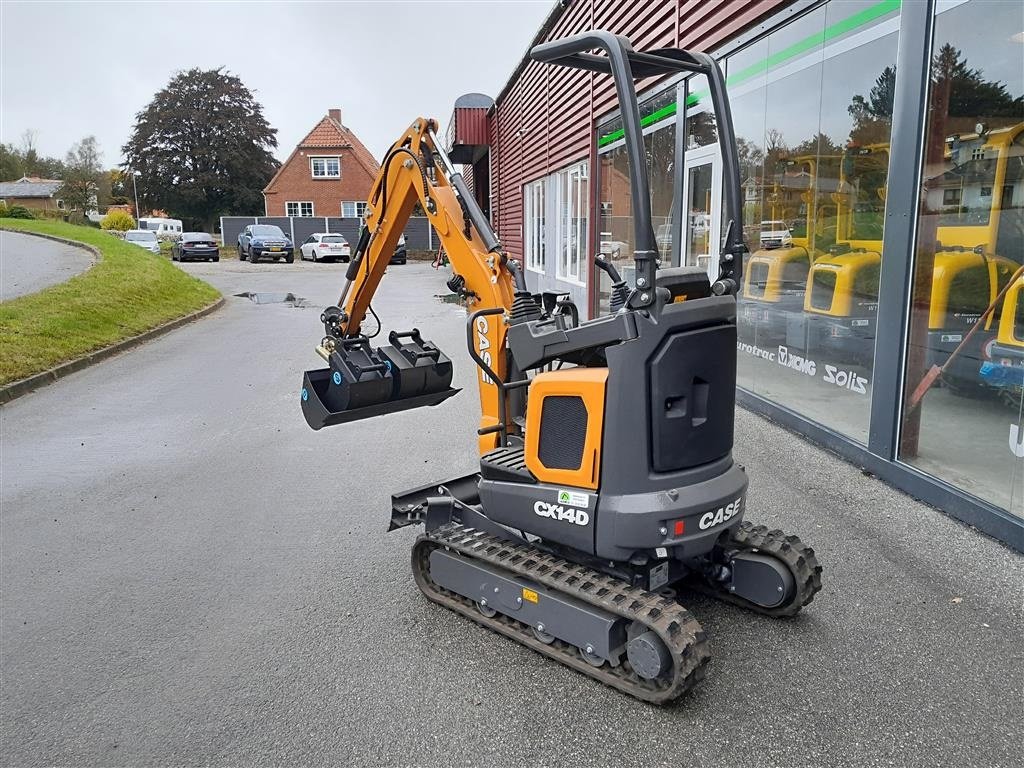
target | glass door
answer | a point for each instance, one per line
(702, 196)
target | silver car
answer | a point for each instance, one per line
(144, 239)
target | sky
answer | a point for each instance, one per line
(71, 69)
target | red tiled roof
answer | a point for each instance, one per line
(330, 134)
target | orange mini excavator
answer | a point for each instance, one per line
(606, 484)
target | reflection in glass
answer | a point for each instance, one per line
(701, 130)
(813, 110)
(968, 429)
(616, 222)
(698, 223)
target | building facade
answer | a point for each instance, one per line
(33, 193)
(328, 174)
(882, 154)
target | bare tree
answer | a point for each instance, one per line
(28, 140)
(82, 176)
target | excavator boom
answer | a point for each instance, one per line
(416, 170)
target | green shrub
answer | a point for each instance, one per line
(3, 210)
(18, 212)
(118, 220)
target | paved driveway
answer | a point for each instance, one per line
(192, 576)
(29, 264)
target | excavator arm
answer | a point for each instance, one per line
(416, 170)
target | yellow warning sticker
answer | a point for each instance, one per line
(530, 596)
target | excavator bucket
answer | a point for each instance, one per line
(362, 382)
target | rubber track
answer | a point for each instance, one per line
(676, 627)
(794, 554)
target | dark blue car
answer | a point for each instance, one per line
(259, 241)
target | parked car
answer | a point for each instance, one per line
(775, 234)
(259, 240)
(195, 245)
(400, 255)
(143, 238)
(325, 245)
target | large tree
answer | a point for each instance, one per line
(81, 180)
(202, 148)
(872, 116)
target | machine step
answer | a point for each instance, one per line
(508, 464)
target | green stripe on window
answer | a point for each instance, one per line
(869, 14)
(651, 119)
(828, 33)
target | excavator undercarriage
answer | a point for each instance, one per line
(607, 485)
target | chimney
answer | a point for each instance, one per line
(335, 115)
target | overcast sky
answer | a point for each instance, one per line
(70, 69)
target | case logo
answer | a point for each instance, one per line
(483, 345)
(720, 515)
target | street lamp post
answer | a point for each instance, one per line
(135, 175)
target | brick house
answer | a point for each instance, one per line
(329, 173)
(32, 192)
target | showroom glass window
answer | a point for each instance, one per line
(658, 119)
(968, 429)
(812, 109)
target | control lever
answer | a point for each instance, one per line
(619, 291)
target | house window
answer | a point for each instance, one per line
(533, 225)
(573, 196)
(299, 209)
(986, 192)
(325, 167)
(951, 196)
(353, 209)
(60, 204)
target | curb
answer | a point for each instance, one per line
(16, 389)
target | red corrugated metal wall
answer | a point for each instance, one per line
(470, 126)
(544, 119)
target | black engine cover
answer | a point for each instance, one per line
(692, 395)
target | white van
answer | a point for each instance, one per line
(161, 226)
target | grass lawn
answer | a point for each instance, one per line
(127, 292)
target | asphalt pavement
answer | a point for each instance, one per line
(29, 264)
(192, 576)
